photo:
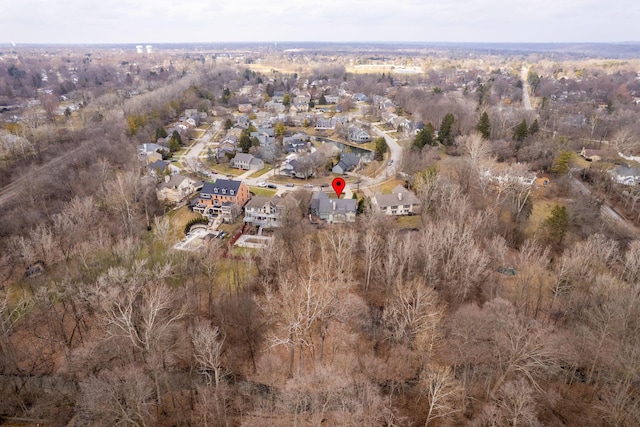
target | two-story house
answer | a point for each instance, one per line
(177, 188)
(247, 162)
(400, 202)
(358, 135)
(224, 197)
(267, 212)
(333, 211)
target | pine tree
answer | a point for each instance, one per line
(534, 128)
(521, 131)
(445, 135)
(424, 137)
(484, 126)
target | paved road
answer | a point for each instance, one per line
(606, 211)
(526, 100)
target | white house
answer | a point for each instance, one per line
(247, 162)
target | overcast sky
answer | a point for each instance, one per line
(167, 21)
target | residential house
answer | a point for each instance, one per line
(228, 146)
(177, 188)
(330, 123)
(626, 175)
(358, 135)
(278, 96)
(224, 197)
(332, 99)
(246, 162)
(267, 212)
(333, 211)
(242, 122)
(400, 202)
(245, 108)
(159, 169)
(591, 155)
(360, 97)
(347, 163)
(274, 107)
(145, 149)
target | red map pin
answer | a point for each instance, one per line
(338, 186)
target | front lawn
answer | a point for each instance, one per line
(225, 169)
(258, 174)
(263, 192)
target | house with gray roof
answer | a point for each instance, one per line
(333, 211)
(246, 162)
(347, 163)
(626, 175)
(358, 135)
(267, 212)
(400, 202)
(176, 188)
(224, 197)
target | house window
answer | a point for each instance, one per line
(215, 190)
(231, 192)
(224, 191)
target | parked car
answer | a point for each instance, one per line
(271, 186)
(290, 185)
(262, 184)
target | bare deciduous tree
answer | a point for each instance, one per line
(440, 387)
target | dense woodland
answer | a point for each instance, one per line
(365, 325)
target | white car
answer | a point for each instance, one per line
(262, 184)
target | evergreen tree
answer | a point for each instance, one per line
(534, 128)
(245, 141)
(557, 224)
(521, 131)
(424, 137)
(381, 148)
(322, 100)
(160, 133)
(445, 135)
(561, 163)
(286, 100)
(484, 126)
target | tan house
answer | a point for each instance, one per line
(176, 188)
(400, 202)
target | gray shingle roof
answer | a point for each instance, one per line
(222, 184)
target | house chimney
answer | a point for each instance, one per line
(167, 178)
(334, 205)
(400, 196)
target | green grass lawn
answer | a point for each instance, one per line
(386, 186)
(225, 169)
(257, 174)
(414, 221)
(263, 192)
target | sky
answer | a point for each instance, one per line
(180, 21)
